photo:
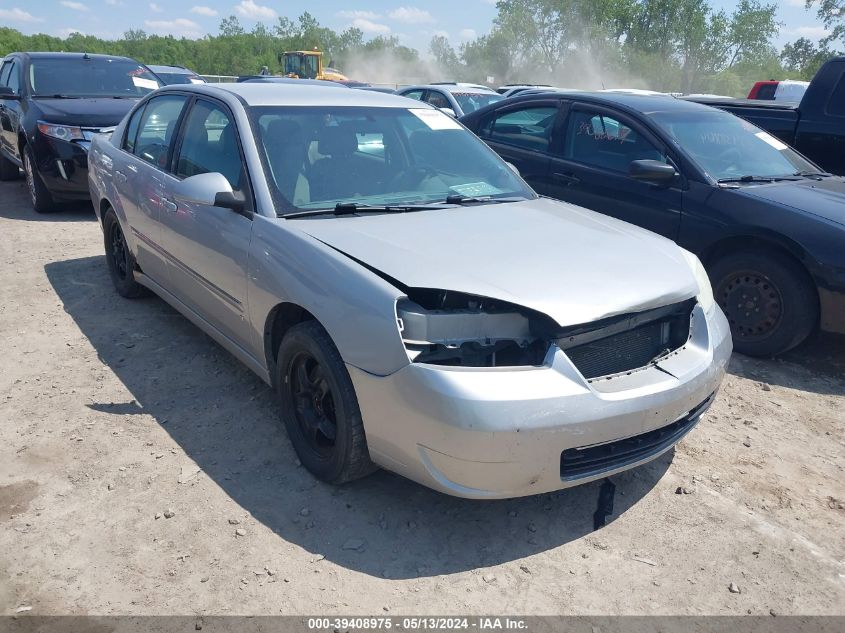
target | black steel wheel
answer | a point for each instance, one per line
(119, 259)
(768, 299)
(319, 406)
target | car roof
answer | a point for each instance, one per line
(296, 94)
(645, 103)
(452, 87)
(52, 55)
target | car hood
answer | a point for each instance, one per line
(824, 198)
(569, 263)
(84, 112)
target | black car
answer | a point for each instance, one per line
(768, 224)
(169, 75)
(51, 106)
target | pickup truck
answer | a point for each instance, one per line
(815, 126)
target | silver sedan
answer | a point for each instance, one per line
(414, 303)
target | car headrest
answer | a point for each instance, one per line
(339, 140)
(283, 132)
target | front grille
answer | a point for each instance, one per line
(630, 342)
(578, 463)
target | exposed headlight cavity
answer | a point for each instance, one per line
(705, 290)
(451, 328)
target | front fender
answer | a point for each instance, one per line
(355, 306)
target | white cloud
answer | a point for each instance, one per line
(814, 32)
(114, 3)
(18, 15)
(76, 6)
(367, 26)
(467, 34)
(68, 31)
(797, 3)
(248, 9)
(441, 34)
(179, 27)
(155, 8)
(411, 15)
(207, 11)
(363, 15)
(494, 2)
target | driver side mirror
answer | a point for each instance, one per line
(8, 93)
(652, 171)
(211, 190)
(449, 111)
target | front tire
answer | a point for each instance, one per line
(42, 201)
(769, 300)
(119, 258)
(319, 406)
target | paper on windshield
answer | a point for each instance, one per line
(140, 82)
(435, 119)
(771, 140)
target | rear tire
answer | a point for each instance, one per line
(119, 258)
(319, 406)
(8, 169)
(769, 300)
(42, 201)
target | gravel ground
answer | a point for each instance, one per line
(144, 471)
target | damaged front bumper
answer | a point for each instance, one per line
(504, 432)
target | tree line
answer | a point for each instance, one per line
(672, 45)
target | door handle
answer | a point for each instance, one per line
(169, 205)
(569, 179)
(119, 176)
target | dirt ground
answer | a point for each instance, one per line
(115, 414)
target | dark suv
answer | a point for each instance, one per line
(51, 106)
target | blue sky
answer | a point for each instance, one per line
(414, 23)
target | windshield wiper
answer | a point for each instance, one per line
(56, 96)
(459, 198)
(351, 208)
(809, 173)
(754, 179)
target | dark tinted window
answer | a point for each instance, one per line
(602, 141)
(94, 77)
(530, 127)
(132, 130)
(438, 100)
(157, 125)
(4, 73)
(836, 104)
(14, 81)
(210, 144)
(766, 92)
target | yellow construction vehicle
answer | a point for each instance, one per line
(308, 65)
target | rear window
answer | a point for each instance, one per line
(836, 104)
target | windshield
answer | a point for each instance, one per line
(317, 157)
(301, 65)
(472, 101)
(726, 146)
(94, 77)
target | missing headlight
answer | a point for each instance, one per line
(456, 329)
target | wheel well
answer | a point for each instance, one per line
(281, 318)
(21, 143)
(105, 205)
(791, 251)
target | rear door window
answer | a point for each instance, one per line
(414, 94)
(530, 127)
(599, 140)
(438, 100)
(156, 129)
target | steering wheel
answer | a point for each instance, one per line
(410, 178)
(731, 158)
